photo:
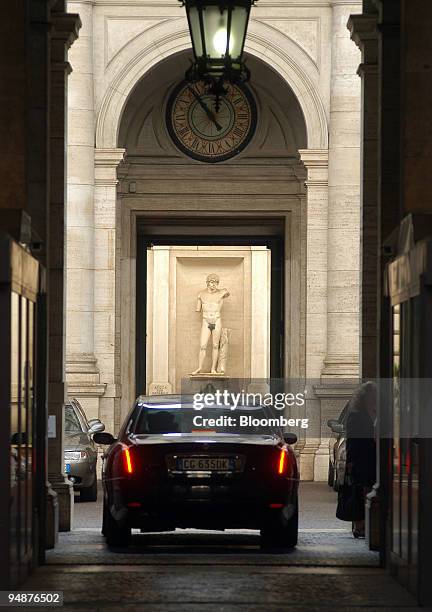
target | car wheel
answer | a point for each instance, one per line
(114, 533)
(281, 534)
(331, 475)
(89, 494)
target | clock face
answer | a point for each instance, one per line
(207, 133)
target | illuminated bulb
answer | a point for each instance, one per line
(220, 41)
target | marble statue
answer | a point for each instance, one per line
(223, 351)
(210, 302)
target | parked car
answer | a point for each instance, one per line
(80, 454)
(337, 448)
(163, 472)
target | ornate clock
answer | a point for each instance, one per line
(208, 129)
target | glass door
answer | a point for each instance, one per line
(406, 413)
(21, 435)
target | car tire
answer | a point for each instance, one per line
(116, 536)
(283, 534)
(89, 494)
(331, 475)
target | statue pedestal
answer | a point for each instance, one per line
(208, 376)
(206, 382)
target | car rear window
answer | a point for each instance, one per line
(176, 419)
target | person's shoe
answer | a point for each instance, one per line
(358, 533)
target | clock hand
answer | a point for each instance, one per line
(206, 109)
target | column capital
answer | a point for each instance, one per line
(353, 3)
(106, 162)
(82, 375)
(65, 27)
(91, 2)
(314, 158)
(363, 29)
(316, 164)
(368, 69)
(109, 158)
(340, 366)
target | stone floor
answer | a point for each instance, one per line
(196, 571)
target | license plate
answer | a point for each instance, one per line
(206, 464)
(67, 468)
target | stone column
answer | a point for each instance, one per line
(344, 201)
(105, 264)
(64, 32)
(81, 367)
(364, 33)
(343, 276)
(316, 163)
(159, 296)
(260, 313)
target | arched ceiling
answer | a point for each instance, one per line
(281, 129)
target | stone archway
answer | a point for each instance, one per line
(137, 58)
(286, 58)
(115, 351)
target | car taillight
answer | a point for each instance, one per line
(283, 462)
(127, 461)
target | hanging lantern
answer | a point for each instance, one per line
(218, 31)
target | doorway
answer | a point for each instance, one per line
(211, 232)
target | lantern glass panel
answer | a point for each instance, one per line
(195, 30)
(239, 21)
(215, 31)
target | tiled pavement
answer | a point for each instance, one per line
(195, 571)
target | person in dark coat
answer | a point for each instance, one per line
(361, 447)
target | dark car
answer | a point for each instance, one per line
(164, 471)
(80, 452)
(337, 448)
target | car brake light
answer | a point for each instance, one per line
(128, 461)
(282, 462)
